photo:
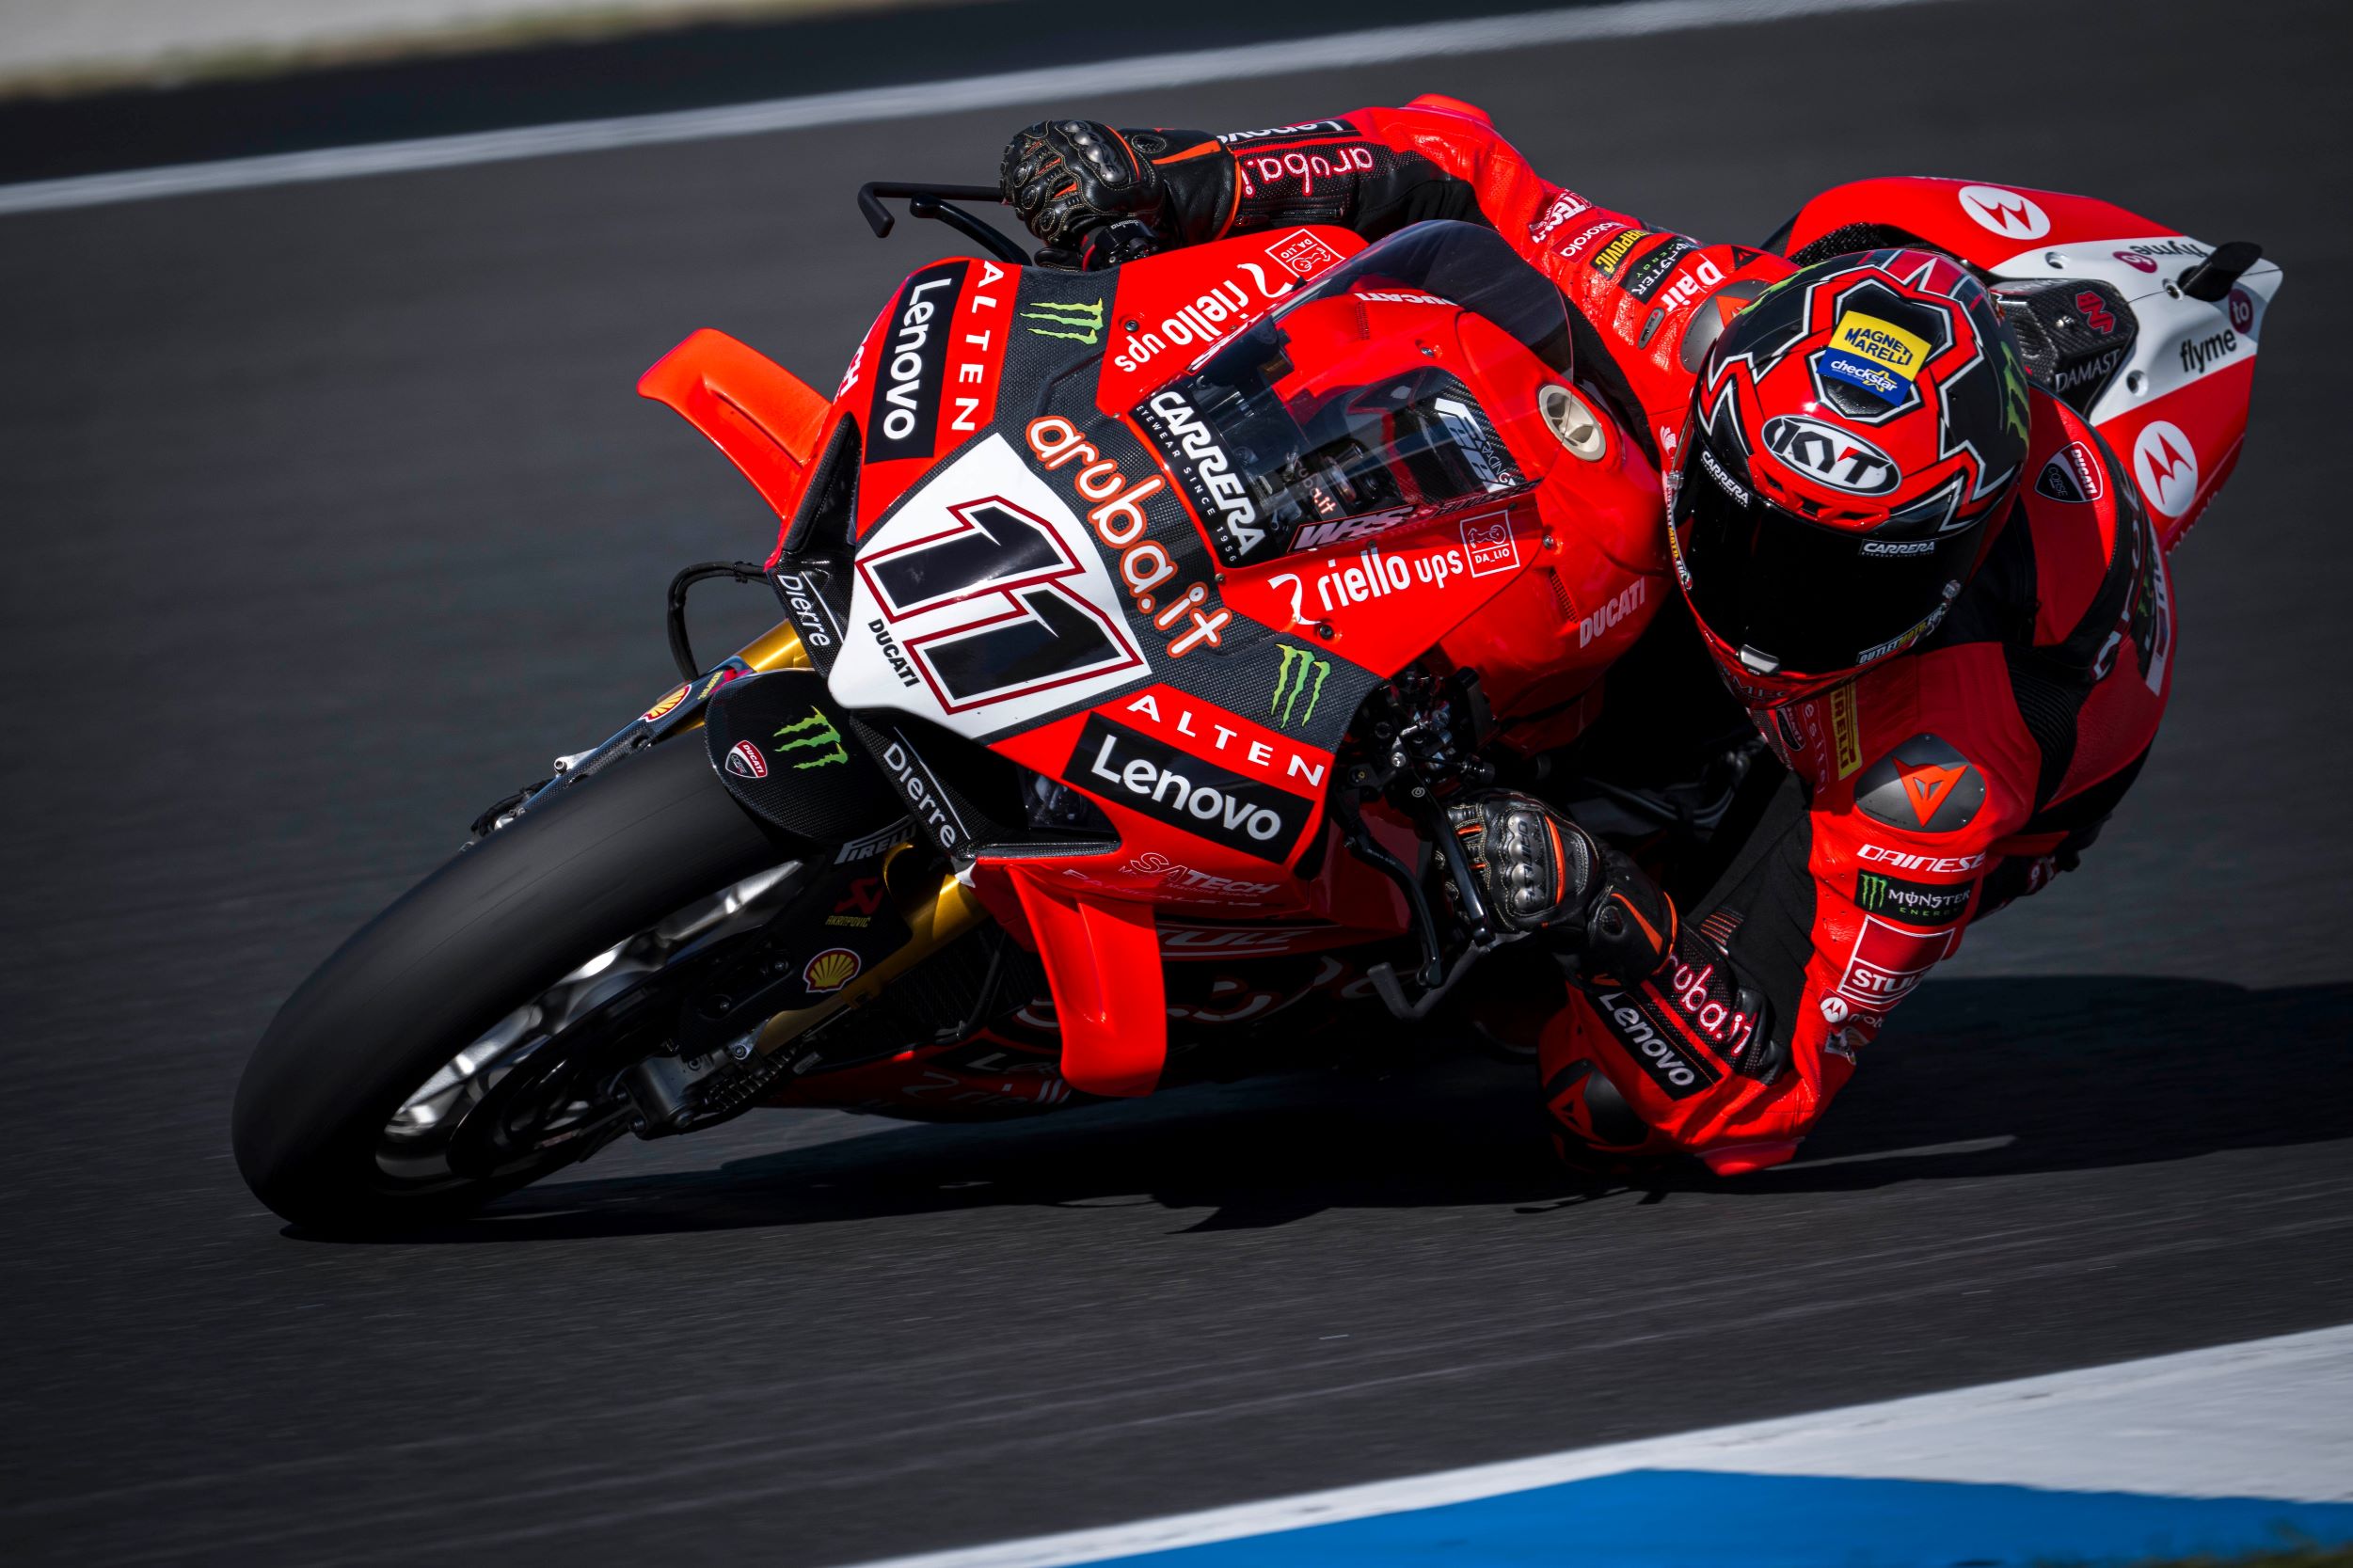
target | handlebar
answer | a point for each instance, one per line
(936, 201)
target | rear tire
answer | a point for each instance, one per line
(483, 935)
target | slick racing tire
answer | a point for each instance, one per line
(458, 958)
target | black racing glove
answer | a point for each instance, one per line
(1094, 196)
(1543, 873)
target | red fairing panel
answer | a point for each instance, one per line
(761, 414)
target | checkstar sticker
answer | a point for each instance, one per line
(1925, 784)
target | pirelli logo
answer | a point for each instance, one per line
(1846, 729)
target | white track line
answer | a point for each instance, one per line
(2270, 1417)
(1069, 84)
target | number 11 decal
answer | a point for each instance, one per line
(1029, 627)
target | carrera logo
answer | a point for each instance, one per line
(746, 762)
(1838, 458)
(1208, 473)
(1141, 773)
(2005, 212)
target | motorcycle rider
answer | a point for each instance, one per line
(1925, 580)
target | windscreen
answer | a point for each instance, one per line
(1317, 425)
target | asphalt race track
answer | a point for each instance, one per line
(333, 517)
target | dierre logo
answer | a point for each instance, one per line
(1139, 772)
(906, 416)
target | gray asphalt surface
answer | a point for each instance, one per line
(331, 517)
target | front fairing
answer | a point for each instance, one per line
(1024, 569)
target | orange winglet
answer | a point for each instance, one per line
(1103, 961)
(762, 416)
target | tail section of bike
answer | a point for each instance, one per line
(2151, 334)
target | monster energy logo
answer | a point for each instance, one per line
(1870, 891)
(1084, 322)
(1292, 678)
(816, 730)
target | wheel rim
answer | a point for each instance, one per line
(559, 1116)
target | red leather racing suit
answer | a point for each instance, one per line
(1936, 788)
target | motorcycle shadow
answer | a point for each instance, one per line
(1981, 1078)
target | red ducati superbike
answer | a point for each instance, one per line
(1134, 624)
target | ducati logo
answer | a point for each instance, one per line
(2167, 466)
(1839, 458)
(746, 762)
(2005, 212)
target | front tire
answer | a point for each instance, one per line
(432, 975)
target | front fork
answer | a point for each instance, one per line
(934, 915)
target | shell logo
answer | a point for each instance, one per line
(831, 970)
(666, 705)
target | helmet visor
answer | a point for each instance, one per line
(1807, 600)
